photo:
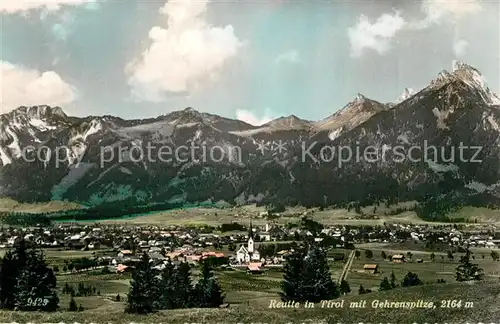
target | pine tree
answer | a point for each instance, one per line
(433, 256)
(293, 272)
(344, 287)
(385, 285)
(36, 287)
(368, 254)
(318, 283)
(143, 295)
(467, 270)
(208, 291)
(118, 298)
(167, 286)
(72, 305)
(393, 280)
(411, 279)
(361, 290)
(182, 296)
(11, 266)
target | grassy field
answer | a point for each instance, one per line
(483, 305)
(481, 214)
(215, 216)
(250, 295)
(7, 204)
(374, 215)
(428, 271)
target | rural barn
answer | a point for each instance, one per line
(398, 258)
(371, 268)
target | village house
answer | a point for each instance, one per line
(398, 258)
(254, 268)
(370, 268)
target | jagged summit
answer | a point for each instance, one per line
(289, 122)
(354, 113)
(360, 98)
(38, 112)
(459, 65)
(469, 75)
(407, 93)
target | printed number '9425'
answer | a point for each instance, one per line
(37, 302)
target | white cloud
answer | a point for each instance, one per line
(184, 56)
(20, 86)
(250, 118)
(439, 10)
(460, 47)
(16, 6)
(376, 36)
(291, 56)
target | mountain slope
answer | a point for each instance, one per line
(190, 156)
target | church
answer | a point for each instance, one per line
(249, 253)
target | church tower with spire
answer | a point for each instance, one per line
(250, 245)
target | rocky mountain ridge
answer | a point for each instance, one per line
(97, 160)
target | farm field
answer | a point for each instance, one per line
(257, 290)
(428, 271)
(10, 205)
(379, 214)
(216, 216)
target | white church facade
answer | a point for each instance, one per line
(249, 253)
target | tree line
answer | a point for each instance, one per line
(26, 282)
(172, 288)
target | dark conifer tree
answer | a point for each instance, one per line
(344, 287)
(12, 265)
(143, 296)
(411, 279)
(36, 287)
(291, 287)
(167, 286)
(182, 296)
(467, 270)
(393, 280)
(72, 305)
(385, 285)
(318, 284)
(208, 291)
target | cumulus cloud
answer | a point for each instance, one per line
(20, 86)
(438, 11)
(376, 36)
(291, 56)
(183, 56)
(19, 6)
(250, 118)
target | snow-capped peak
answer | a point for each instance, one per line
(458, 65)
(473, 78)
(407, 93)
(469, 75)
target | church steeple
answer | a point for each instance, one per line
(250, 245)
(250, 230)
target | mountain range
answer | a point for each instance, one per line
(96, 160)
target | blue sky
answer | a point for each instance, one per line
(241, 59)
